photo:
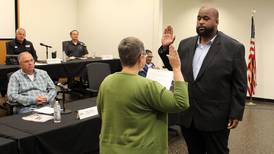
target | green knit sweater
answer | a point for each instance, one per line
(134, 113)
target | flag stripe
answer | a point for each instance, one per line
(251, 72)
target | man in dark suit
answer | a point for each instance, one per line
(214, 66)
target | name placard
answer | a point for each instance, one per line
(87, 112)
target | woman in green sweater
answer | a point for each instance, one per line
(134, 109)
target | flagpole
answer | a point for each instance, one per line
(250, 103)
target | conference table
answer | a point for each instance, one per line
(71, 136)
(7, 146)
(71, 68)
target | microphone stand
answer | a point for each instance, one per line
(64, 111)
(47, 49)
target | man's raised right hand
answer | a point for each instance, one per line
(167, 37)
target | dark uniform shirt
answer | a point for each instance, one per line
(78, 50)
(14, 47)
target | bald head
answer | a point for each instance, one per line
(211, 10)
(207, 22)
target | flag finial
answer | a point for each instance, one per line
(253, 11)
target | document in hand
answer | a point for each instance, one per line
(164, 77)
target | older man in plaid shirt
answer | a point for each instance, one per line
(30, 87)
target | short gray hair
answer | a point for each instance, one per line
(130, 49)
(19, 58)
(20, 30)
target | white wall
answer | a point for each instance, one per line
(49, 22)
(235, 21)
(103, 23)
(7, 15)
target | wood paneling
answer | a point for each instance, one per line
(3, 51)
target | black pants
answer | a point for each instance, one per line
(202, 142)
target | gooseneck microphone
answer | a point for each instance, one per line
(48, 46)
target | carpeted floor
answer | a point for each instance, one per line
(254, 135)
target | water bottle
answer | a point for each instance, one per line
(57, 112)
(64, 56)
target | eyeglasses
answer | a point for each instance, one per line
(143, 53)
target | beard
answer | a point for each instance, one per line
(203, 31)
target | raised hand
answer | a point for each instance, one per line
(174, 58)
(167, 37)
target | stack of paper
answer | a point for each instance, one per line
(37, 117)
(45, 110)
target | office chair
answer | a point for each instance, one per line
(12, 105)
(96, 74)
(11, 59)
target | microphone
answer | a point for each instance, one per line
(48, 46)
(65, 87)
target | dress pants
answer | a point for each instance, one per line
(204, 142)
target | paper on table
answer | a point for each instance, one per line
(164, 77)
(107, 57)
(37, 63)
(37, 117)
(72, 57)
(45, 110)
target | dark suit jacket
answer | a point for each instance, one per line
(219, 91)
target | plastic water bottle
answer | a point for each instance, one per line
(57, 112)
(64, 56)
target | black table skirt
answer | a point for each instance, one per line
(8, 146)
(71, 136)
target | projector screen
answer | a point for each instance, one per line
(8, 18)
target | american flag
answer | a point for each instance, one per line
(251, 72)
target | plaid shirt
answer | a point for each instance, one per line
(23, 90)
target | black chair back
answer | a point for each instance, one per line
(96, 74)
(11, 59)
(12, 105)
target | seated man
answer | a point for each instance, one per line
(74, 48)
(148, 64)
(30, 87)
(18, 45)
